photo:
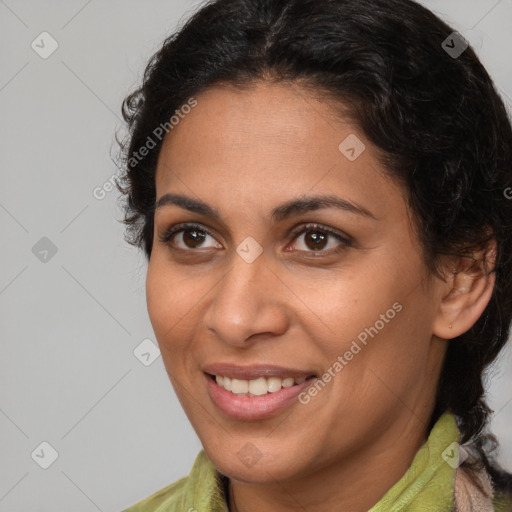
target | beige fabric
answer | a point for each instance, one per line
(468, 497)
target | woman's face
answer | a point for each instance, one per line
(348, 300)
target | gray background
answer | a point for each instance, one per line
(70, 321)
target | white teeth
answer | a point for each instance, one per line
(257, 387)
(239, 386)
(273, 384)
(288, 382)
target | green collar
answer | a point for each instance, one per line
(427, 485)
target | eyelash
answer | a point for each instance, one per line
(174, 230)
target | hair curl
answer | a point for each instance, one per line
(439, 123)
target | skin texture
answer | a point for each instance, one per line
(245, 152)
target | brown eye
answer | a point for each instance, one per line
(192, 237)
(316, 239)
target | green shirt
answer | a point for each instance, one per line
(427, 486)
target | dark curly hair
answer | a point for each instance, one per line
(436, 118)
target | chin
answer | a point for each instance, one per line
(239, 465)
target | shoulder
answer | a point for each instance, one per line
(502, 483)
(202, 489)
(502, 502)
(171, 496)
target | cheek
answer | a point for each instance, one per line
(352, 303)
(171, 303)
(391, 365)
(160, 301)
(380, 324)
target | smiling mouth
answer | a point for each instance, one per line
(257, 387)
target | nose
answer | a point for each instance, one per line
(249, 303)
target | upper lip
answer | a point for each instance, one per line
(254, 371)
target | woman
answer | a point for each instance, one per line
(319, 187)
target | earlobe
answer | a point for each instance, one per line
(468, 291)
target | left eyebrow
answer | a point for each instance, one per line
(308, 204)
(280, 213)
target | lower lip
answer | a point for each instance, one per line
(253, 407)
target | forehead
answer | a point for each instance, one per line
(260, 143)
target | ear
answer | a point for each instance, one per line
(467, 291)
